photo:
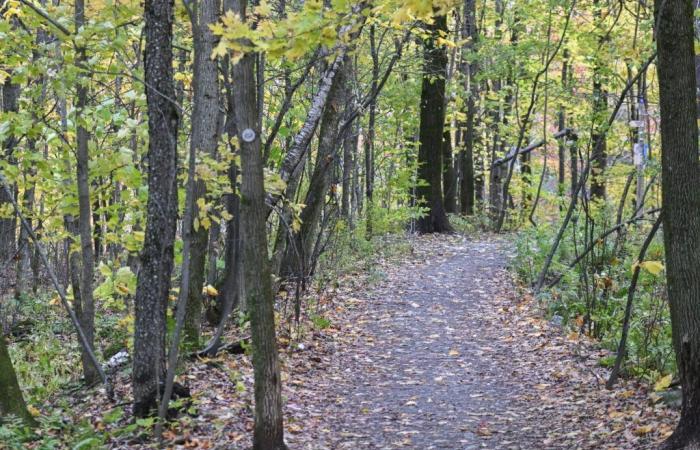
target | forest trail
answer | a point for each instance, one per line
(444, 354)
(436, 372)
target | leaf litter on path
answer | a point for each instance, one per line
(445, 352)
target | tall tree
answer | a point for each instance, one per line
(681, 204)
(561, 117)
(269, 431)
(205, 134)
(8, 225)
(469, 69)
(153, 285)
(371, 132)
(85, 307)
(349, 155)
(599, 155)
(432, 121)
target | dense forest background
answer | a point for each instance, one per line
(183, 178)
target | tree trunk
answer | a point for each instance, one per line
(469, 69)
(153, 285)
(11, 399)
(573, 163)
(8, 225)
(268, 433)
(87, 313)
(640, 147)
(681, 204)
(285, 222)
(599, 156)
(301, 244)
(349, 150)
(448, 173)
(23, 245)
(204, 140)
(562, 122)
(213, 253)
(432, 120)
(371, 135)
(495, 173)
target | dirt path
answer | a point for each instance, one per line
(444, 354)
(432, 370)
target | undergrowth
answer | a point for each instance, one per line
(590, 297)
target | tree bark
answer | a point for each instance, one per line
(349, 151)
(268, 433)
(153, 285)
(448, 173)
(432, 120)
(599, 155)
(562, 121)
(681, 204)
(204, 139)
(350, 140)
(23, 245)
(371, 135)
(469, 68)
(11, 399)
(8, 225)
(87, 263)
(299, 249)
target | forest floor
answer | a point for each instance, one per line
(445, 351)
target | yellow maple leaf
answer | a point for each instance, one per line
(663, 383)
(653, 267)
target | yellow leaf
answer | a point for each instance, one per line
(220, 50)
(653, 267)
(210, 291)
(125, 322)
(294, 428)
(616, 414)
(123, 289)
(641, 431)
(33, 411)
(445, 42)
(206, 223)
(663, 383)
(263, 9)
